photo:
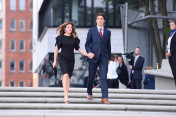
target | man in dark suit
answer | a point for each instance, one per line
(98, 46)
(136, 66)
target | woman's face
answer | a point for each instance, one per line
(172, 26)
(120, 60)
(68, 29)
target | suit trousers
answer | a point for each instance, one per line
(135, 83)
(103, 66)
(172, 62)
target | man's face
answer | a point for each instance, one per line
(137, 51)
(100, 21)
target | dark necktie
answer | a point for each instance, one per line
(100, 33)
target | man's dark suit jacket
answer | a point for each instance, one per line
(137, 68)
(98, 45)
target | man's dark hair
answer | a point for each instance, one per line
(138, 47)
(101, 14)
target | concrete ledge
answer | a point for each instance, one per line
(160, 72)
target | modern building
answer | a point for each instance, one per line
(1, 42)
(16, 25)
(49, 14)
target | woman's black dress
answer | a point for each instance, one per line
(66, 57)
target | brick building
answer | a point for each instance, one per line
(17, 43)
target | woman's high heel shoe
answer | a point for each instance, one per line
(66, 102)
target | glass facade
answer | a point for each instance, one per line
(81, 12)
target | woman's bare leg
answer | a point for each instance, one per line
(66, 86)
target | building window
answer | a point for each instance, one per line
(1, 46)
(13, 5)
(78, 12)
(1, 5)
(12, 45)
(30, 25)
(21, 83)
(22, 5)
(0, 65)
(30, 45)
(22, 45)
(22, 66)
(12, 66)
(30, 66)
(13, 25)
(1, 24)
(22, 25)
(174, 5)
(0, 83)
(12, 84)
(30, 5)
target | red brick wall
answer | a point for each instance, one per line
(17, 35)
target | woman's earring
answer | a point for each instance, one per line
(64, 30)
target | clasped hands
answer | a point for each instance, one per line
(90, 55)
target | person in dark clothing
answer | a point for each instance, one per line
(136, 66)
(122, 74)
(67, 41)
(149, 81)
(171, 49)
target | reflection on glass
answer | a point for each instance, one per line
(66, 10)
(118, 16)
(78, 12)
(111, 14)
(89, 12)
(57, 12)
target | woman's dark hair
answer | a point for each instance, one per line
(101, 14)
(173, 22)
(62, 27)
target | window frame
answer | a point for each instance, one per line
(23, 70)
(14, 45)
(22, 21)
(12, 5)
(20, 7)
(12, 71)
(11, 82)
(22, 50)
(13, 29)
(22, 82)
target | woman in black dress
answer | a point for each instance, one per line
(67, 41)
(171, 48)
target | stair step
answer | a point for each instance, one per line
(85, 100)
(95, 90)
(84, 95)
(88, 107)
(83, 114)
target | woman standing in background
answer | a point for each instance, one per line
(123, 74)
(171, 49)
(112, 75)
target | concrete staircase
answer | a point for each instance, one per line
(48, 102)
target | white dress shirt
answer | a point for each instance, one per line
(112, 66)
(136, 57)
(102, 30)
(169, 43)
